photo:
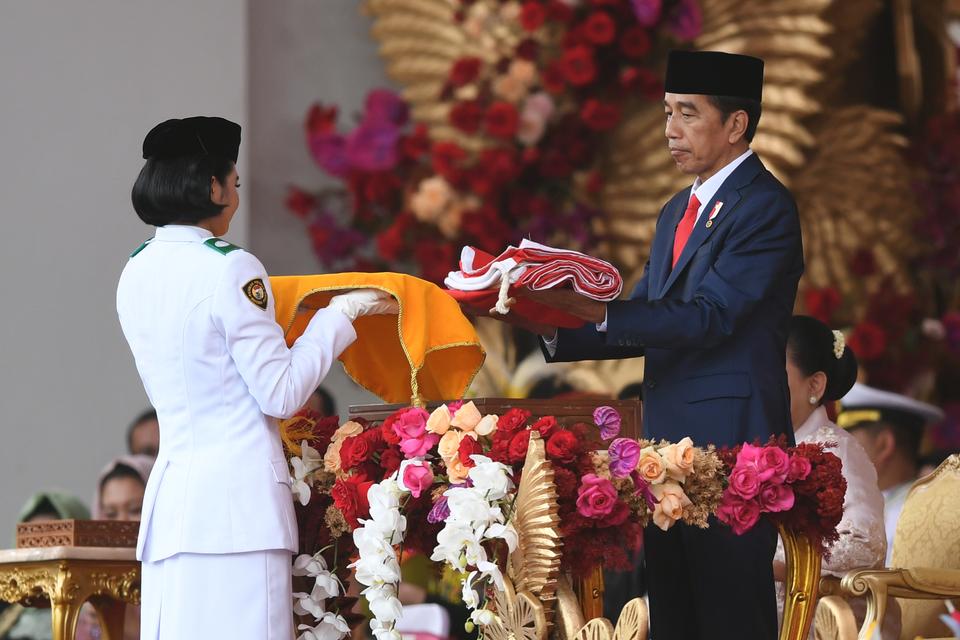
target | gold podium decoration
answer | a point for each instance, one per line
(520, 616)
(633, 624)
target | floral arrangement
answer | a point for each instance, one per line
(530, 107)
(799, 487)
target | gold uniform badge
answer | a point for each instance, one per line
(256, 292)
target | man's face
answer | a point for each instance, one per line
(699, 141)
(145, 438)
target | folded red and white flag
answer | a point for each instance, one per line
(485, 279)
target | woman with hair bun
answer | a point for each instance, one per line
(821, 368)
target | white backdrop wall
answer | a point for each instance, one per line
(82, 82)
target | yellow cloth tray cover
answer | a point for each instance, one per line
(430, 352)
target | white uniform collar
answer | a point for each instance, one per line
(812, 424)
(707, 189)
(181, 233)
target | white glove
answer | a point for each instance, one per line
(364, 302)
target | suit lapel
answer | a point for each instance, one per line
(729, 195)
(662, 251)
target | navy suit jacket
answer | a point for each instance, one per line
(714, 328)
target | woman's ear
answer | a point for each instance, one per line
(818, 384)
(217, 192)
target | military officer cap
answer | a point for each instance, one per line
(714, 73)
(865, 405)
(196, 136)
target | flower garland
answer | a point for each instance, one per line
(539, 97)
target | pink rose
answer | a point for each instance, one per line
(776, 497)
(748, 454)
(741, 515)
(745, 481)
(417, 477)
(773, 464)
(596, 497)
(799, 468)
(411, 427)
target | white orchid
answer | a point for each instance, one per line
(308, 462)
(505, 532)
(483, 617)
(491, 478)
(304, 604)
(330, 626)
(307, 565)
(469, 505)
(469, 595)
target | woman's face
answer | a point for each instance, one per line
(228, 195)
(121, 498)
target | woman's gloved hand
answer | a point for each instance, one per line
(364, 302)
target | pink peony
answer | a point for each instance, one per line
(417, 477)
(596, 497)
(745, 481)
(624, 454)
(776, 497)
(773, 464)
(799, 468)
(741, 515)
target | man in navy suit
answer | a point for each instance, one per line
(710, 315)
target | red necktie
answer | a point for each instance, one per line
(685, 228)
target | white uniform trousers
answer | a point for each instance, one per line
(240, 596)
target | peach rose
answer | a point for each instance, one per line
(509, 88)
(456, 471)
(467, 417)
(523, 71)
(679, 459)
(487, 425)
(651, 466)
(449, 221)
(331, 457)
(431, 198)
(449, 444)
(510, 12)
(347, 430)
(439, 420)
(672, 501)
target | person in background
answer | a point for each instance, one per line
(143, 434)
(890, 428)
(321, 402)
(822, 369)
(24, 623)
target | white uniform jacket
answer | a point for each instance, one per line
(198, 314)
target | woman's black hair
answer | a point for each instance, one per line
(121, 471)
(177, 190)
(810, 346)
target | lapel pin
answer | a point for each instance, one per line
(713, 214)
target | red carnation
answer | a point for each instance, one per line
(544, 425)
(553, 77)
(532, 15)
(512, 420)
(518, 446)
(822, 303)
(501, 120)
(579, 66)
(868, 341)
(469, 447)
(390, 460)
(350, 497)
(354, 450)
(467, 116)
(299, 202)
(566, 482)
(464, 71)
(599, 116)
(563, 446)
(635, 42)
(600, 28)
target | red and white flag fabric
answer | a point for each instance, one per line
(484, 279)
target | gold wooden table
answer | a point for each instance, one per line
(63, 578)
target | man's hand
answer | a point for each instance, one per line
(545, 330)
(570, 301)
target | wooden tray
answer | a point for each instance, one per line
(77, 533)
(567, 411)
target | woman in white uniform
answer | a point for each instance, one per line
(821, 369)
(218, 526)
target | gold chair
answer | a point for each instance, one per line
(926, 566)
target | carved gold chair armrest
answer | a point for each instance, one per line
(875, 585)
(800, 587)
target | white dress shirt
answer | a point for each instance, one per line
(199, 317)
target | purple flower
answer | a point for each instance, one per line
(608, 419)
(385, 107)
(329, 150)
(373, 147)
(643, 488)
(647, 11)
(624, 453)
(440, 511)
(685, 22)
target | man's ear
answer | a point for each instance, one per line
(885, 444)
(738, 126)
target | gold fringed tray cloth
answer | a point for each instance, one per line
(430, 352)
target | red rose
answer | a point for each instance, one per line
(501, 120)
(559, 11)
(447, 157)
(435, 259)
(555, 164)
(321, 120)
(822, 303)
(467, 116)
(353, 451)
(868, 341)
(391, 242)
(500, 165)
(600, 28)
(563, 446)
(489, 232)
(299, 202)
(518, 446)
(544, 425)
(579, 67)
(481, 185)
(469, 447)
(415, 145)
(532, 15)
(350, 497)
(464, 71)
(599, 116)
(381, 187)
(529, 49)
(500, 451)
(390, 460)
(512, 420)
(553, 78)
(635, 42)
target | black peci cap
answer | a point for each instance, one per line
(196, 136)
(714, 73)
